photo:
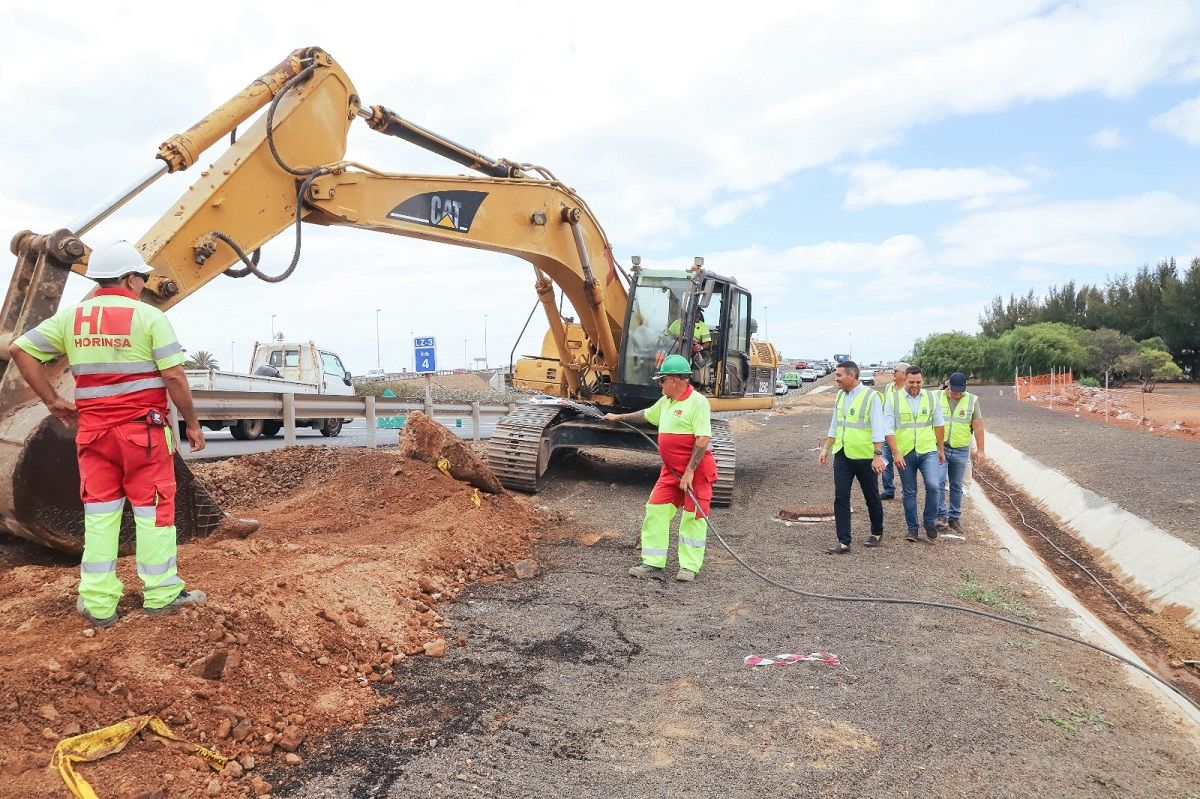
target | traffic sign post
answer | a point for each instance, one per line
(425, 363)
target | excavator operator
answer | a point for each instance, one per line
(125, 359)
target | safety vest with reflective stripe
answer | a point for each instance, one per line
(958, 421)
(853, 434)
(117, 347)
(915, 432)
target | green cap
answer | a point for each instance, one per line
(674, 365)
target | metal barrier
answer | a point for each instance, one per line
(232, 405)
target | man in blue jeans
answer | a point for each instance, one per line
(890, 395)
(920, 448)
(964, 420)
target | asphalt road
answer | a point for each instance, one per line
(223, 445)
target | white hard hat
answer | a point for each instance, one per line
(115, 260)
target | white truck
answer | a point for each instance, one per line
(279, 368)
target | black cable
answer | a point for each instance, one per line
(893, 600)
(301, 76)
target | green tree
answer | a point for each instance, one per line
(1045, 346)
(1105, 347)
(1148, 366)
(1178, 319)
(941, 354)
(201, 359)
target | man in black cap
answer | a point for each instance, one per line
(964, 421)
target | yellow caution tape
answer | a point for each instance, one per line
(110, 740)
(444, 465)
(475, 498)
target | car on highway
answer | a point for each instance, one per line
(808, 375)
(820, 370)
(801, 364)
(780, 388)
(792, 380)
(867, 377)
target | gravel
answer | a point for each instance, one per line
(586, 682)
(1152, 476)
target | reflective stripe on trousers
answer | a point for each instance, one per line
(656, 537)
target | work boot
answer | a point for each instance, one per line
(956, 526)
(931, 532)
(840, 549)
(941, 525)
(887, 496)
(83, 611)
(644, 571)
(185, 598)
(685, 576)
(912, 535)
(873, 541)
(229, 527)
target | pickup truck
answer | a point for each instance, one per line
(279, 368)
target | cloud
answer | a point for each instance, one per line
(1108, 139)
(725, 212)
(1183, 121)
(1083, 233)
(877, 183)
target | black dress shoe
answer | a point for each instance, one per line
(840, 549)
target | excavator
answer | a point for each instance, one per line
(289, 167)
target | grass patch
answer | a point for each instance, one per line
(1002, 598)
(1076, 718)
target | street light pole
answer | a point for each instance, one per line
(485, 353)
(466, 363)
(766, 325)
(850, 346)
(232, 359)
(412, 341)
(273, 327)
(378, 356)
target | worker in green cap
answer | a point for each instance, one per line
(684, 424)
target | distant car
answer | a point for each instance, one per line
(376, 374)
(820, 370)
(867, 377)
(801, 364)
(808, 375)
(792, 380)
(780, 387)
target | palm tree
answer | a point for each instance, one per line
(201, 359)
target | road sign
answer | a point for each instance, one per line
(424, 355)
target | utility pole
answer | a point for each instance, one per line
(378, 349)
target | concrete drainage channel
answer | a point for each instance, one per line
(1145, 601)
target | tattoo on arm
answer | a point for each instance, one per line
(697, 455)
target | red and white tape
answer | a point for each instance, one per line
(828, 658)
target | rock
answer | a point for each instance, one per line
(216, 633)
(71, 729)
(293, 759)
(291, 738)
(423, 439)
(212, 667)
(213, 788)
(526, 568)
(157, 793)
(322, 661)
(224, 727)
(426, 585)
(20, 763)
(232, 770)
(260, 786)
(48, 712)
(242, 730)
(247, 761)
(435, 648)
(234, 660)
(119, 689)
(89, 632)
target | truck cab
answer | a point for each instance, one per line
(302, 362)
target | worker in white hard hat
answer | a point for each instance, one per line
(126, 360)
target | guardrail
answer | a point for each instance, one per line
(232, 405)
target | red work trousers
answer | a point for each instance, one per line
(131, 460)
(668, 492)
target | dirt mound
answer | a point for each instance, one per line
(423, 439)
(356, 551)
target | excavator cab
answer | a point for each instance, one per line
(698, 314)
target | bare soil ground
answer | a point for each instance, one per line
(357, 554)
(583, 681)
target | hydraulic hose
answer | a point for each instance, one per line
(590, 411)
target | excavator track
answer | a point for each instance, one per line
(726, 454)
(519, 451)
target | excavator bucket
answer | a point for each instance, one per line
(39, 475)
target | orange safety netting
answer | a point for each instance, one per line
(1170, 409)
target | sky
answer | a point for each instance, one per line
(871, 172)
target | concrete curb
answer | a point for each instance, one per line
(1091, 626)
(1162, 569)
